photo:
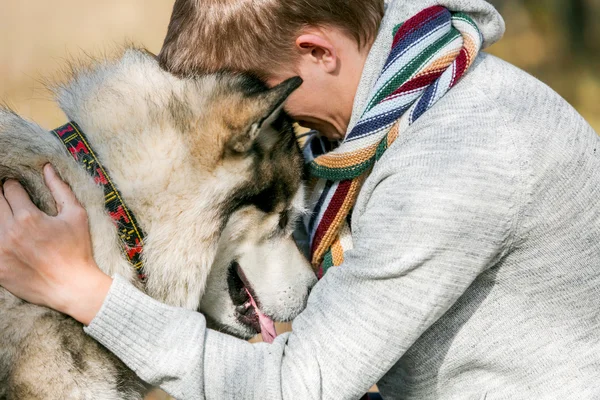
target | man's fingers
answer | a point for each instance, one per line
(62, 193)
(5, 211)
(18, 199)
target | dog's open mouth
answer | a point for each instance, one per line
(246, 306)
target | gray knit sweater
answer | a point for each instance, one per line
(475, 272)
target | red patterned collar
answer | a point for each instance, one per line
(132, 236)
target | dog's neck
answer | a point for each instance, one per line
(126, 111)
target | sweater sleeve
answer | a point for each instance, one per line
(425, 232)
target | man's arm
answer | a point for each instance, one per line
(428, 230)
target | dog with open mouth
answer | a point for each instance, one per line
(204, 177)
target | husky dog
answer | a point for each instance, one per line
(210, 168)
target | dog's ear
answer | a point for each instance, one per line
(265, 129)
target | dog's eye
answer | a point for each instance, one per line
(283, 220)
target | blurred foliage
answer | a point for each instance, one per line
(558, 41)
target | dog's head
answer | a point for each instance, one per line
(258, 268)
(211, 167)
(242, 134)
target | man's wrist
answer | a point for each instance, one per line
(87, 296)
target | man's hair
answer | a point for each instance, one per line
(257, 36)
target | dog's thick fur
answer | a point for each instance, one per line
(209, 166)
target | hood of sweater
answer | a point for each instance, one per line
(487, 18)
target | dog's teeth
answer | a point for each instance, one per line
(243, 308)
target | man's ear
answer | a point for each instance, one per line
(318, 49)
(262, 129)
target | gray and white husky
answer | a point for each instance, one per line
(210, 167)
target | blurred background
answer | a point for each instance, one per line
(557, 41)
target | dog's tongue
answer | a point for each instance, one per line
(267, 327)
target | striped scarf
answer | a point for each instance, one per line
(430, 53)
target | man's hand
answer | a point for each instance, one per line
(48, 260)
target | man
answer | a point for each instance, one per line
(471, 265)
